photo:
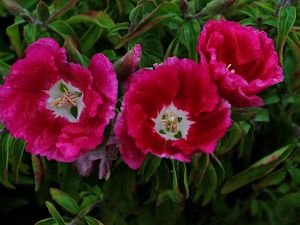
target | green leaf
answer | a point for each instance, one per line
(30, 33)
(59, 12)
(288, 207)
(287, 18)
(208, 184)
(90, 37)
(64, 200)
(169, 194)
(216, 7)
(13, 33)
(262, 115)
(63, 29)
(149, 167)
(70, 181)
(4, 67)
(92, 221)
(258, 170)
(59, 220)
(48, 221)
(5, 148)
(272, 179)
(230, 140)
(189, 37)
(42, 12)
(16, 155)
(102, 19)
(163, 11)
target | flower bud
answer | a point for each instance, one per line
(128, 63)
(184, 7)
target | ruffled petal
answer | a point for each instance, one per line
(130, 154)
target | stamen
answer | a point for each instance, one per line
(228, 68)
(67, 100)
(170, 122)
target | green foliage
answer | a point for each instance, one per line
(252, 179)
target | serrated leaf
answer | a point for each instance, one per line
(259, 169)
(64, 200)
(53, 211)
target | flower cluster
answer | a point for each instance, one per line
(173, 110)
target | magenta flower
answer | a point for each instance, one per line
(171, 111)
(243, 59)
(60, 109)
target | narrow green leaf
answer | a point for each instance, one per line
(287, 18)
(59, 220)
(64, 200)
(70, 4)
(102, 19)
(14, 35)
(4, 67)
(90, 37)
(189, 37)
(48, 221)
(149, 167)
(163, 11)
(272, 179)
(208, 184)
(63, 29)
(169, 194)
(230, 140)
(16, 155)
(5, 148)
(259, 169)
(92, 221)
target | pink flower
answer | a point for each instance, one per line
(243, 59)
(171, 111)
(60, 109)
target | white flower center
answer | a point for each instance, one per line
(172, 123)
(66, 101)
